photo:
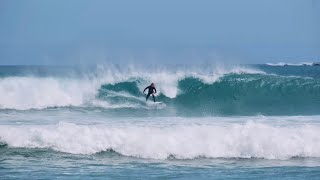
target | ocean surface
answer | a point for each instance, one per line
(213, 122)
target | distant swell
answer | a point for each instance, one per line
(249, 140)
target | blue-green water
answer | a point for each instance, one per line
(238, 122)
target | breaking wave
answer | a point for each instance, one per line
(225, 140)
(234, 91)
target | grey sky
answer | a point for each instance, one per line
(167, 31)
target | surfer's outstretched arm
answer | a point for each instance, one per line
(145, 89)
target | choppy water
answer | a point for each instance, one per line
(253, 121)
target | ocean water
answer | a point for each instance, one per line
(214, 122)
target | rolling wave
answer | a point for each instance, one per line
(224, 140)
(232, 94)
(236, 91)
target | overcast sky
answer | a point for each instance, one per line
(166, 31)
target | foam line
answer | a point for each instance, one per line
(248, 140)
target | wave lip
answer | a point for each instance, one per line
(248, 140)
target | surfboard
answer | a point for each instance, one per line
(154, 103)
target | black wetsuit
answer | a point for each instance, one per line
(151, 90)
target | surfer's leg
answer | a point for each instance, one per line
(147, 97)
(154, 99)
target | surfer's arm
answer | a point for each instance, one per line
(145, 89)
(155, 90)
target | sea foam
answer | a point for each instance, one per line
(34, 92)
(183, 141)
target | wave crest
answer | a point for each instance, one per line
(30, 92)
(219, 91)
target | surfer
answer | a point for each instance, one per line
(151, 91)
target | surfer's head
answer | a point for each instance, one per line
(152, 85)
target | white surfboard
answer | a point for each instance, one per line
(157, 104)
(154, 103)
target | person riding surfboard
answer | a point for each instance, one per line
(151, 91)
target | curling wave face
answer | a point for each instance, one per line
(205, 91)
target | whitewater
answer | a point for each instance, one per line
(214, 121)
